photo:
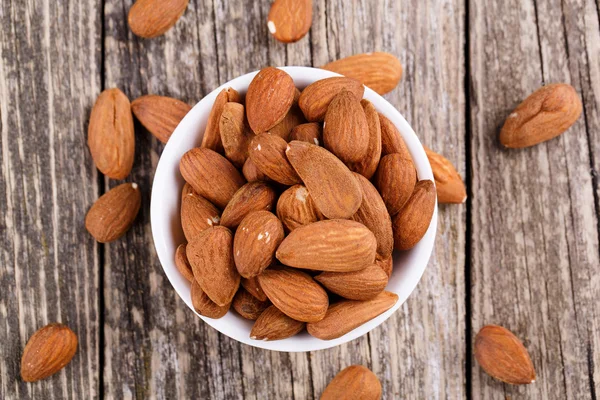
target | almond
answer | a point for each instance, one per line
(204, 305)
(197, 215)
(374, 215)
(182, 263)
(296, 208)
(412, 222)
(211, 256)
(160, 115)
(248, 306)
(48, 351)
(254, 196)
(152, 18)
(315, 98)
(379, 71)
(187, 189)
(293, 118)
(252, 173)
(353, 383)
(212, 135)
(502, 355)
(211, 175)
(345, 130)
(545, 114)
(295, 294)
(356, 285)
(448, 183)
(311, 132)
(267, 152)
(269, 98)
(346, 315)
(290, 20)
(275, 325)
(395, 179)
(332, 245)
(256, 239)
(386, 264)
(114, 212)
(368, 164)
(253, 287)
(111, 137)
(235, 133)
(391, 139)
(332, 186)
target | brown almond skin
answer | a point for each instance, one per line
(235, 133)
(160, 115)
(152, 18)
(211, 175)
(254, 196)
(204, 305)
(197, 215)
(248, 306)
(252, 173)
(544, 115)
(182, 263)
(347, 315)
(48, 351)
(311, 132)
(395, 179)
(356, 285)
(315, 98)
(187, 189)
(212, 135)
(290, 20)
(296, 208)
(295, 294)
(412, 222)
(355, 382)
(386, 264)
(368, 164)
(253, 287)
(275, 325)
(211, 256)
(345, 130)
(114, 212)
(391, 139)
(332, 245)
(269, 98)
(293, 118)
(111, 136)
(256, 240)
(333, 188)
(502, 355)
(448, 183)
(267, 152)
(374, 215)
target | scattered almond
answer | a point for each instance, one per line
(412, 222)
(267, 152)
(275, 325)
(152, 18)
(355, 285)
(353, 383)
(182, 263)
(296, 208)
(248, 306)
(290, 20)
(197, 215)
(395, 179)
(212, 135)
(317, 96)
(269, 98)
(160, 115)
(448, 183)
(204, 305)
(48, 351)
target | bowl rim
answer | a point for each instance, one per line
(416, 259)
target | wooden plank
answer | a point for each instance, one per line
(534, 222)
(49, 78)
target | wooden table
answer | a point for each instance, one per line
(523, 251)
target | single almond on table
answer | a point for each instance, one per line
(356, 285)
(315, 98)
(386, 264)
(395, 179)
(267, 152)
(253, 287)
(311, 132)
(211, 256)
(197, 215)
(212, 135)
(252, 173)
(378, 71)
(152, 18)
(235, 133)
(211, 175)
(48, 351)
(448, 183)
(293, 118)
(114, 212)
(355, 382)
(111, 136)
(545, 114)
(275, 325)
(345, 130)
(296, 208)
(295, 294)
(290, 20)
(248, 306)
(368, 164)
(502, 355)
(391, 139)
(347, 315)
(332, 245)
(412, 222)
(160, 115)
(204, 305)
(182, 263)
(253, 196)
(256, 240)
(332, 186)
(269, 98)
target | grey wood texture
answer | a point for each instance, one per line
(523, 252)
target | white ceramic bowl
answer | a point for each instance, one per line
(167, 233)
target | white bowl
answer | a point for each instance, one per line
(167, 233)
